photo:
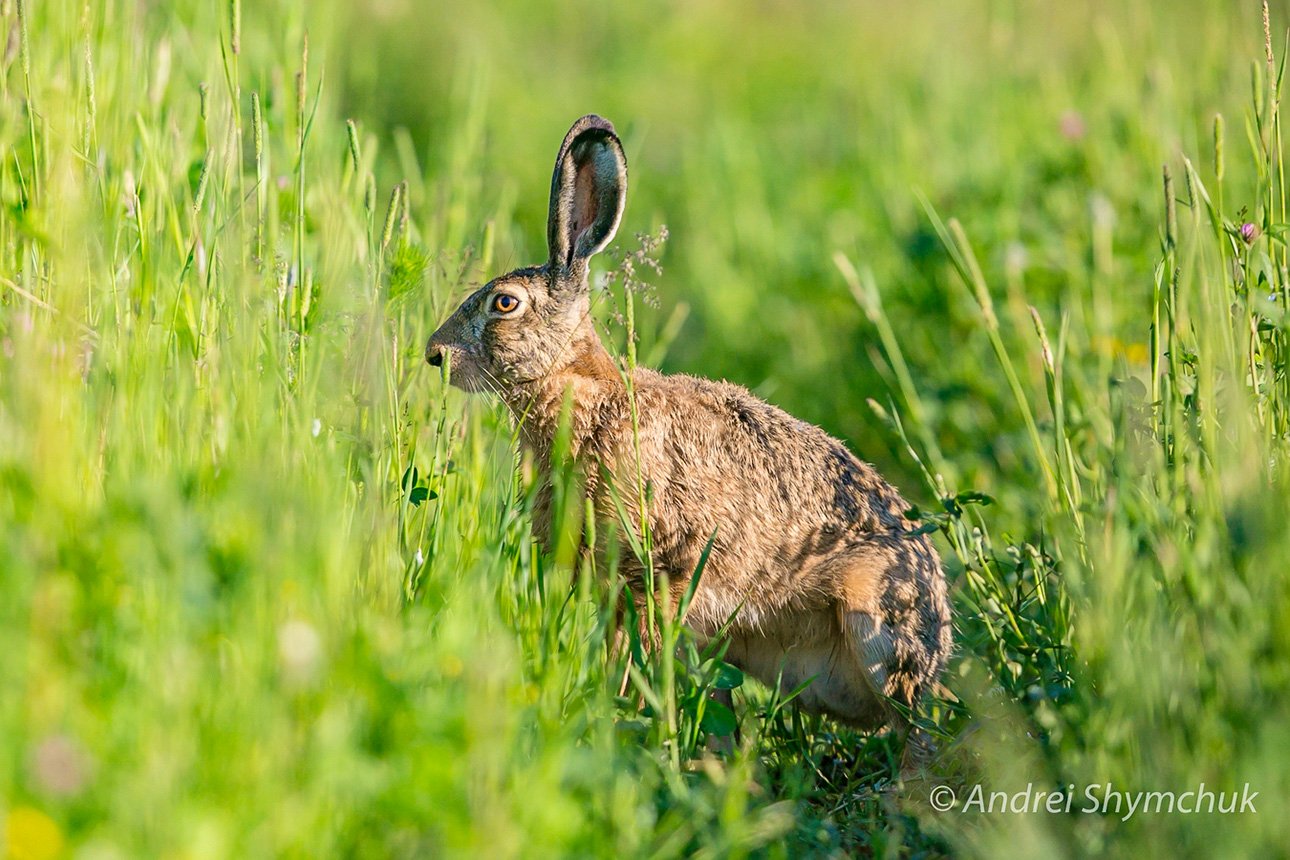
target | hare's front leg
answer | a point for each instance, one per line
(633, 609)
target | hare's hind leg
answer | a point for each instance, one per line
(868, 648)
(919, 752)
(875, 651)
(893, 665)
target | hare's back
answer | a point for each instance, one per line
(715, 445)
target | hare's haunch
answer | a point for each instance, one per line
(812, 557)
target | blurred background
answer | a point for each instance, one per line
(769, 136)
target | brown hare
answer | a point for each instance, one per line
(812, 560)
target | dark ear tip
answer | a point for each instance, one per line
(589, 123)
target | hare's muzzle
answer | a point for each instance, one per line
(434, 354)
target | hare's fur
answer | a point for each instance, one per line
(811, 556)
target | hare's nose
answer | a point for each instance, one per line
(434, 355)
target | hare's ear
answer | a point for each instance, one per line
(588, 191)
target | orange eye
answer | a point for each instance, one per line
(505, 304)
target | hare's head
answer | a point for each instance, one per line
(529, 324)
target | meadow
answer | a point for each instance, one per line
(267, 585)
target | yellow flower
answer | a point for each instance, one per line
(1135, 353)
(32, 835)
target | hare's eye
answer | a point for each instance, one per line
(505, 304)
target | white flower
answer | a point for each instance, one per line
(59, 766)
(300, 651)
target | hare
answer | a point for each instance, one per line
(811, 561)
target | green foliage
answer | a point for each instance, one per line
(268, 587)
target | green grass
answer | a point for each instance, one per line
(234, 622)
